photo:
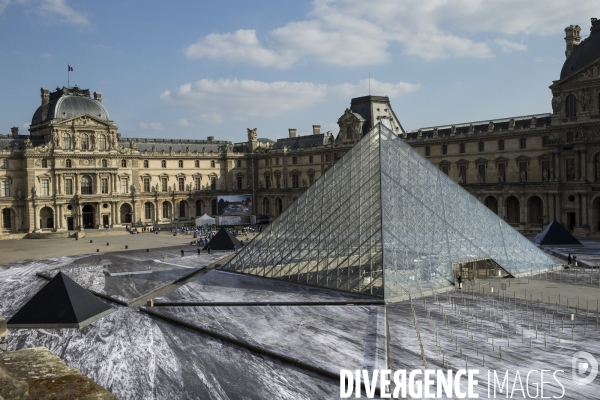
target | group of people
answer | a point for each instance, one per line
(144, 229)
(572, 261)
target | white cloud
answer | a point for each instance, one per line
(26, 125)
(216, 101)
(184, 123)
(46, 55)
(60, 11)
(3, 5)
(156, 126)
(355, 32)
(507, 46)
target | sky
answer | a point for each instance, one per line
(192, 69)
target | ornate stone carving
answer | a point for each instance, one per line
(28, 143)
(556, 104)
(252, 134)
(585, 99)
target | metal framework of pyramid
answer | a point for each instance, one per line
(555, 234)
(384, 221)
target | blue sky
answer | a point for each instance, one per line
(192, 69)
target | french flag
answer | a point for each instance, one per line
(70, 68)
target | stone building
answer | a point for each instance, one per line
(74, 170)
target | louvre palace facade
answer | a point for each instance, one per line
(75, 171)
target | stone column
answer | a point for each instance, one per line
(501, 209)
(80, 216)
(585, 210)
(578, 210)
(523, 211)
(157, 211)
(583, 165)
(59, 214)
(99, 213)
(113, 212)
(36, 220)
(559, 169)
(578, 165)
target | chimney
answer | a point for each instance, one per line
(572, 38)
(292, 133)
(316, 129)
(45, 96)
(98, 97)
(211, 138)
(15, 131)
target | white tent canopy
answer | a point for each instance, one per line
(205, 220)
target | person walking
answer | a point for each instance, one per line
(208, 249)
(569, 260)
(459, 281)
(575, 261)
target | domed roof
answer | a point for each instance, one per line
(67, 103)
(584, 53)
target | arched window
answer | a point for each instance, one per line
(536, 208)
(180, 163)
(163, 163)
(212, 163)
(104, 163)
(491, 203)
(66, 141)
(197, 164)
(462, 147)
(278, 205)
(266, 206)
(571, 106)
(102, 142)
(182, 209)
(444, 149)
(86, 185)
(427, 150)
(513, 215)
(166, 209)
(68, 163)
(85, 141)
(199, 208)
(239, 163)
(124, 163)
(145, 163)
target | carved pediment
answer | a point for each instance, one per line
(481, 160)
(501, 160)
(83, 120)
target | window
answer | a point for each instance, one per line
(523, 171)
(196, 183)
(104, 185)
(295, 179)
(180, 163)
(268, 181)
(85, 141)
(66, 141)
(327, 157)
(462, 174)
(86, 185)
(481, 146)
(522, 143)
(277, 181)
(68, 186)
(104, 164)
(266, 206)
(277, 161)
(571, 106)
(213, 183)
(569, 137)
(124, 163)
(5, 188)
(181, 182)
(481, 173)
(462, 147)
(570, 169)
(5, 164)
(445, 169)
(213, 163)
(270, 161)
(148, 210)
(182, 211)
(124, 185)
(239, 182)
(68, 163)
(146, 184)
(500, 144)
(163, 163)
(45, 187)
(163, 184)
(197, 164)
(6, 220)
(145, 163)
(310, 159)
(266, 162)
(44, 163)
(238, 163)
(294, 160)
(311, 178)
(501, 172)
(166, 210)
(545, 171)
(102, 142)
(444, 149)
(427, 150)
(545, 141)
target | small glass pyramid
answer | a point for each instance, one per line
(384, 221)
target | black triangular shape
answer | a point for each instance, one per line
(61, 303)
(223, 240)
(555, 234)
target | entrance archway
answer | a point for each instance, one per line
(491, 203)
(125, 212)
(87, 214)
(46, 218)
(513, 214)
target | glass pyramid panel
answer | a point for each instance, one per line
(383, 221)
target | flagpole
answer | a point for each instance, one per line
(68, 74)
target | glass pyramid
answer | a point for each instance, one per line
(384, 221)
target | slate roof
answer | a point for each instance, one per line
(300, 142)
(584, 53)
(178, 145)
(61, 303)
(68, 102)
